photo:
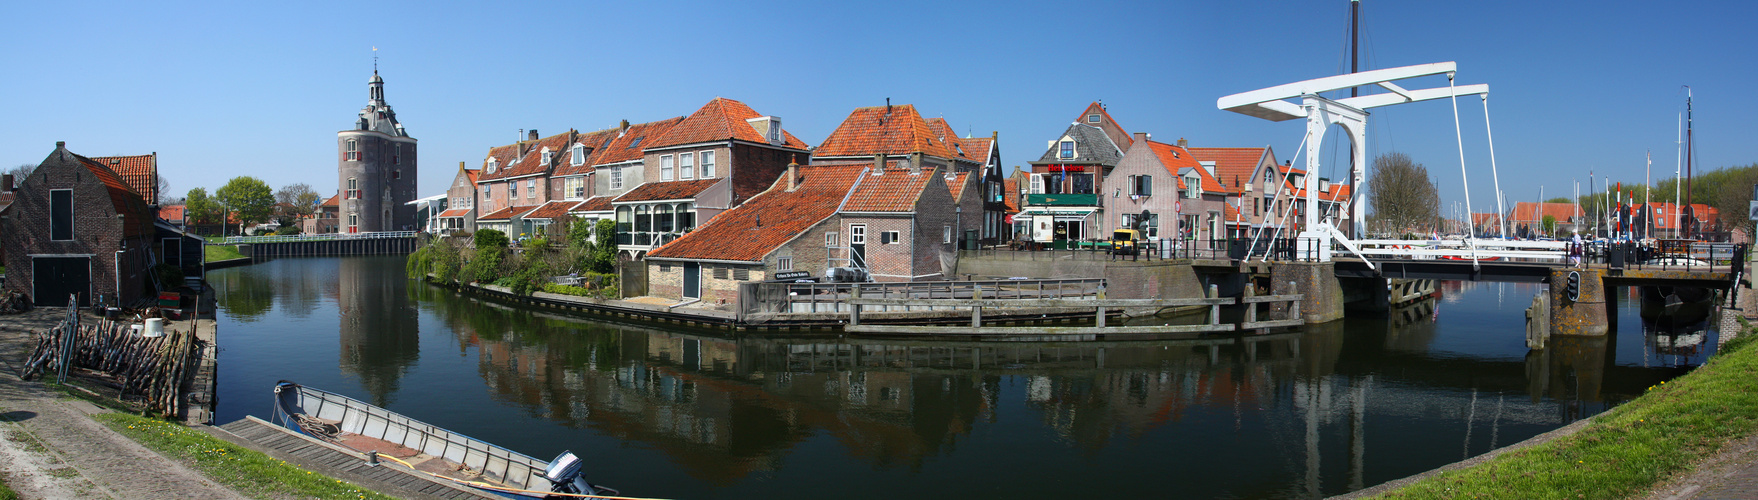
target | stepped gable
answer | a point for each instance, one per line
(770, 219)
(891, 130)
(1233, 166)
(719, 120)
(668, 190)
(896, 190)
(632, 143)
(137, 171)
(596, 143)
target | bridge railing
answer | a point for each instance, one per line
(1669, 256)
(833, 297)
(1152, 249)
(297, 238)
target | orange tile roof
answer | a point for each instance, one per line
(1526, 211)
(978, 148)
(454, 212)
(334, 201)
(596, 144)
(1231, 214)
(137, 171)
(892, 130)
(721, 119)
(594, 204)
(1176, 159)
(956, 185)
(1485, 219)
(669, 190)
(503, 154)
(506, 213)
(895, 190)
(471, 174)
(127, 202)
(769, 220)
(961, 148)
(531, 162)
(551, 210)
(1233, 166)
(631, 145)
(1012, 197)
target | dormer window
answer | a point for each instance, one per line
(493, 164)
(1065, 150)
(578, 156)
(545, 155)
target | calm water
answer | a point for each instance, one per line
(677, 413)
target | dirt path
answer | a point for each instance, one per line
(53, 449)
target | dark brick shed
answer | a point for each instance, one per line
(76, 227)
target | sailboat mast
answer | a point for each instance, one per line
(1689, 148)
(1647, 175)
(1677, 169)
(1354, 44)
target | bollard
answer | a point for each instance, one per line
(372, 458)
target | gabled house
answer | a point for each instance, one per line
(899, 133)
(711, 161)
(1063, 201)
(1179, 195)
(1250, 177)
(791, 227)
(1526, 219)
(981, 157)
(325, 220)
(76, 227)
(899, 224)
(139, 172)
(460, 214)
(573, 176)
(519, 175)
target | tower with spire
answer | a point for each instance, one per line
(376, 168)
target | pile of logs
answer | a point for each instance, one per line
(146, 369)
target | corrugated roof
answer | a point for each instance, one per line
(769, 220)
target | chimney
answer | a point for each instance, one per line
(879, 164)
(60, 144)
(5, 183)
(533, 134)
(1141, 136)
(1183, 143)
(793, 175)
(915, 163)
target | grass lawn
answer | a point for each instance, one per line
(1629, 449)
(6, 493)
(222, 252)
(246, 471)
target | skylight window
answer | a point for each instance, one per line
(635, 143)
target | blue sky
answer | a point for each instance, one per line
(260, 88)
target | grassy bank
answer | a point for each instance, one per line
(246, 471)
(1629, 449)
(222, 252)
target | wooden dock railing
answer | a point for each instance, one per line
(1100, 307)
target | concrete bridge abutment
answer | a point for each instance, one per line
(1585, 314)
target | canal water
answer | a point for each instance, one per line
(662, 411)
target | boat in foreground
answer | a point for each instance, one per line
(377, 432)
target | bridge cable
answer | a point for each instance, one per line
(1282, 221)
(1465, 180)
(1496, 177)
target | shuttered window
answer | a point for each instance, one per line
(61, 214)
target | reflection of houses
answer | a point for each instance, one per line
(76, 227)
(1063, 200)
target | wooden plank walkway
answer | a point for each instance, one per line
(341, 463)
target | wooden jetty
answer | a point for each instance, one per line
(343, 463)
(1100, 306)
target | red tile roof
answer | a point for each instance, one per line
(631, 145)
(531, 163)
(594, 204)
(454, 212)
(769, 220)
(978, 148)
(504, 155)
(506, 213)
(469, 174)
(137, 171)
(1231, 214)
(1485, 219)
(892, 130)
(669, 190)
(128, 203)
(169, 212)
(1012, 197)
(973, 149)
(551, 210)
(596, 144)
(721, 119)
(896, 190)
(1233, 166)
(334, 201)
(1526, 211)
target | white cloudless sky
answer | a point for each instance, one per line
(259, 88)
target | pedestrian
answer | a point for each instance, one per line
(1575, 249)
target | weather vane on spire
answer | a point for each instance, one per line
(375, 59)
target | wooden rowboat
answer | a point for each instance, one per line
(382, 434)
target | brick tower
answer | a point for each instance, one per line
(376, 169)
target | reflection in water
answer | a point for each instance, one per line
(674, 412)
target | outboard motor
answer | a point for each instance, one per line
(565, 477)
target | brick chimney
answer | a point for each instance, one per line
(916, 163)
(5, 183)
(879, 164)
(1183, 143)
(1141, 136)
(533, 134)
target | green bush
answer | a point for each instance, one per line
(538, 244)
(568, 290)
(489, 238)
(286, 230)
(508, 282)
(484, 266)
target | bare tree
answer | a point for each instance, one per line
(1403, 198)
(20, 172)
(296, 200)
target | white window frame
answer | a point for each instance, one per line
(831, 239)
(493, 164)
(578, 155)
(353, 188)
(665, 166)
(1093, 118)
(545, 155)
(487, 191)
(686, 166)
(784, 264)
(353, 150)
(575, 186)
(895, 237)
(946, 234)
(707, 158)
(616, 178)
(1065, 153)
(857, 234)
(1038, 183)
(530, 187)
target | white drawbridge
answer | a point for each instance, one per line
(1275, 104)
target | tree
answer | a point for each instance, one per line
(1549, 224)
(199, 208)
(1559, 199)
(1402, 195)
(296, 200)
(248, 198)
(20, 172)
(165, 198)
(604, 248)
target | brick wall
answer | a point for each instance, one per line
(720, 285)
(98, 232)
(754, 168)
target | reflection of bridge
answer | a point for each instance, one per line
(324, 245)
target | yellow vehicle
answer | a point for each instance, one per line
(1125, 241)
